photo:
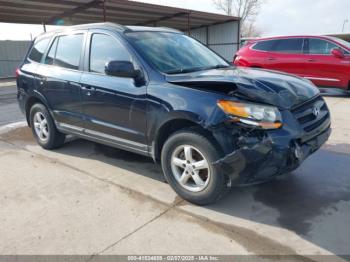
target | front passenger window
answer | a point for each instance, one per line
(320, 47)
(104, 49)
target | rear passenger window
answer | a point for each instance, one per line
(292, 46)
(104, 49)
(68, 51)
(265, 45)
(38, 50)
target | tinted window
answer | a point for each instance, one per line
(265, 45)
(104, 49)
(320, 47)
(51, 55)
(292, 45)
(38, 50)
(68, 51)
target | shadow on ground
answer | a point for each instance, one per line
(313, 201)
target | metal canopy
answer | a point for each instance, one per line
(70, 12)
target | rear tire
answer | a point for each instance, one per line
(187, 162)
(44, 128)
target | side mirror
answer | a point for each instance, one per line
(338, 53)
(122, 69)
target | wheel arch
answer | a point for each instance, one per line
(30, 102)
(172, 126)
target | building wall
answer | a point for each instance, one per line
(11, 55)
(222, 38)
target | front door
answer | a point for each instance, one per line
(323, 68)
(114, 107)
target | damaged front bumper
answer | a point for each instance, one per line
(261, 155)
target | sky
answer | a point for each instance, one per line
(276, 17)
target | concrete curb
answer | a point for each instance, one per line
(12, 126)
(7, 84)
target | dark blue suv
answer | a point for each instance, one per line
(160, 93)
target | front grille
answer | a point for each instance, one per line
(307, 116)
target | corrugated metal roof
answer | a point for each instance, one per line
(69, 12)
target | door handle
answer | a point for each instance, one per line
(311, 60)
(88, 89)
(271, 59)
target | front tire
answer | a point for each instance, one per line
(44, 128)
(187, 162)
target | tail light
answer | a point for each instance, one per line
(234, 58)
(17, 72)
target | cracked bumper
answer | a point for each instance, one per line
(260, 159)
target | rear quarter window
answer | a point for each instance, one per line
(264, 45)
(38, 50)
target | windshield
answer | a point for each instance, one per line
(174, 53)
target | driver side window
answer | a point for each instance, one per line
(103, 49)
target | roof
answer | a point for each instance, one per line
(289, 36)
(71, 12)
(110, 26)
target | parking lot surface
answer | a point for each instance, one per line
(9, 110)
(91, 199)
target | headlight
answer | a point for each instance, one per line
(266, 117)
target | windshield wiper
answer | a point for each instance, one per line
(218, 67)
(195, 69)
(184, 70)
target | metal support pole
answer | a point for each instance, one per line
(104, 10)
(189, 23)
(44, 26)
(207, 36)
(345, 21)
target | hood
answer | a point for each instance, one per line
(257, 85)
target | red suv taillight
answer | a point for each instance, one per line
(234, 58)
(17, 72)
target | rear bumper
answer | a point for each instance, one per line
(260, 159)
(22, 99)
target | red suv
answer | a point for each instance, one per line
(324, 60)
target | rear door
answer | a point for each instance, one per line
(27, 81)
(59, 77)
(323, 68)
(114, 107)
(286, 56)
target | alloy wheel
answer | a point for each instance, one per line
(190, 168)
(41, 127)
